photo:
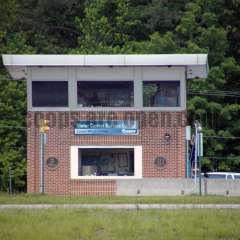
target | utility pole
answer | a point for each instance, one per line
(10, 179)
(188, 139)
(198, 155)
(44, 128)
(195, 156)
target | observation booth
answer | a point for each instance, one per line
(112, 118)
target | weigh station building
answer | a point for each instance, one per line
(113, 120)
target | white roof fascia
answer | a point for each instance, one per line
(196, 64)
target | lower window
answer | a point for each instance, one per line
(106, 162)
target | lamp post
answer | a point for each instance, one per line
(195, 156)
(198, 154)
(44, 128)
(188, 139)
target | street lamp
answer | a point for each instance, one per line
(44, 128)
(198, 153)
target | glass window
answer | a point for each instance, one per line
(105, 94)
(161, 94)
(49, 93)
(216, 176)
(106, 162)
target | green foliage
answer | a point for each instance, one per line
(12, 131)
(127, 26)
(156, 44)
(12, 107)
(106, 27)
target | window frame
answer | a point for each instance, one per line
(108, 107)
(74, 161)
(163, 107)
(109, 152)
(51, 81)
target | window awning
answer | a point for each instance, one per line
(196, 64)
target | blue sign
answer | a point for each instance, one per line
(111, 127)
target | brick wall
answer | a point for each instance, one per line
(153, 128)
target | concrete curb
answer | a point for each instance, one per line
(121, 206)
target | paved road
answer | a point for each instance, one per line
(122, 206)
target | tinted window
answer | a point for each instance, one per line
(216, 176)
(49, 94)
(105, 94)
(236, 176)
(106, 162)
(161, 94)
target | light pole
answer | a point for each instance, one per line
(43, 136)
(188, 139)
(198, 154)
(195, 155)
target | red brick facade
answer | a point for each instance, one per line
(153, 128)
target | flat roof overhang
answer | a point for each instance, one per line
(196, 64)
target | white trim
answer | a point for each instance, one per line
(138, 87)
(196, 64)
(137, 162)
(72, 88)
(29, 88)
(107, 109)
(104, 73)
(183, 89)
(162, 73)
(105, 60)
(50, 73)
(74, 161)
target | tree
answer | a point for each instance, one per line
(128, 26)
(106, 27)
(12, 105)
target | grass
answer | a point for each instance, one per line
(86, 224)
(38, 199)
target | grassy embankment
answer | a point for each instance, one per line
(35, 199)
(87, 224)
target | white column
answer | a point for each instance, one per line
(72, 88)
(138, 161)
(74, 161)
(138, 91)
(29, 89)
(183, 91)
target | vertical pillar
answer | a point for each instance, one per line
(72, 88)
(138, 87)
(42, 189)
